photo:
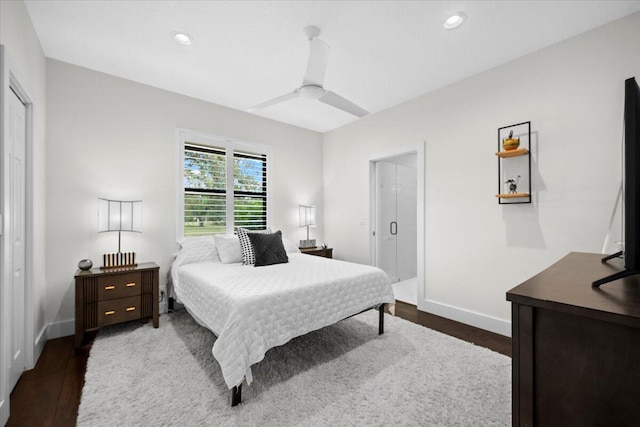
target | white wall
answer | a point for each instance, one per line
(476, 250)
(22, 45)
(115, 138)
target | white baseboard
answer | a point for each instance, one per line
(41, 340)
(50, 332)
(4, 411)
(61, 329)
(471, 318)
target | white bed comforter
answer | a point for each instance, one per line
(252, 309)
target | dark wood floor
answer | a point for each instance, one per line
(477, 336)
(49, 394)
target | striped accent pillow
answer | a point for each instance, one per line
(248, 257)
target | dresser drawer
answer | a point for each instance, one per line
(119, 286)
(119, 310)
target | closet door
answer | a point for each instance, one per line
(16, 236)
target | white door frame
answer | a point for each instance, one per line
(418, 149)
(11, 80)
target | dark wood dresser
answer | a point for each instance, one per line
(319, 251)
(115, 295)
(576, 349)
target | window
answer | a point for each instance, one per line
(250, 190)
(205, 191)
(223, 186)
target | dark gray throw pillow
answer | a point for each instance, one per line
(248, 258)
(268, 248)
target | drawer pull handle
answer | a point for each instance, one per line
(129, 285)
(109, 313)
(109, 288)
(130, 308)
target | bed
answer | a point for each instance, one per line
(253, 309)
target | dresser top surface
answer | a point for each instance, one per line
(568, 282)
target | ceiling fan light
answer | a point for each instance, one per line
(182, 38)
(311, 91)
(455, 20)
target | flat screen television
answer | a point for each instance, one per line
(631, 251)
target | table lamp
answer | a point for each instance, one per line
(307, 219)
(119, 215)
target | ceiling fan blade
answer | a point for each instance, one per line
(317, 64)
(335, 100)
(288, 96)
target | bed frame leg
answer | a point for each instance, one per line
(236, 395)
(381, 319)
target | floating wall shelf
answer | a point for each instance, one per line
(512, 153)
(514, 166)
(512, 195)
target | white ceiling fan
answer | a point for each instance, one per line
(312, 83)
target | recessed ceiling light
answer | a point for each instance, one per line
(455, 20)
(182, 39)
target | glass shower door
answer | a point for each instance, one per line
(387, 228)
(397, 221)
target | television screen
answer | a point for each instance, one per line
(631, 175)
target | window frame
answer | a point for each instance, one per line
(230, 146)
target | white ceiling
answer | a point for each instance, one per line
(246, 52)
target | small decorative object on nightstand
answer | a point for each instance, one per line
(85, 264)
(116, 295)
(323, 251)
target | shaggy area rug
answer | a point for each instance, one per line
(345, 374)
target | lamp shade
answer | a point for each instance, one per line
(307, 215)
(119, 215)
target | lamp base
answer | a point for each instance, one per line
(119, 259)
(119, 267)
(308, 243)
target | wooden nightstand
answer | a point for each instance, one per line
(319, 251)
(115, 295)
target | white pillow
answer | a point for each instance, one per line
(197, 249)
(228, 247)
(289, 246)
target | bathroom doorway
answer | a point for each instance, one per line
(396, 223)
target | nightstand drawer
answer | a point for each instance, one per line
(119, 286)
(118, 310)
